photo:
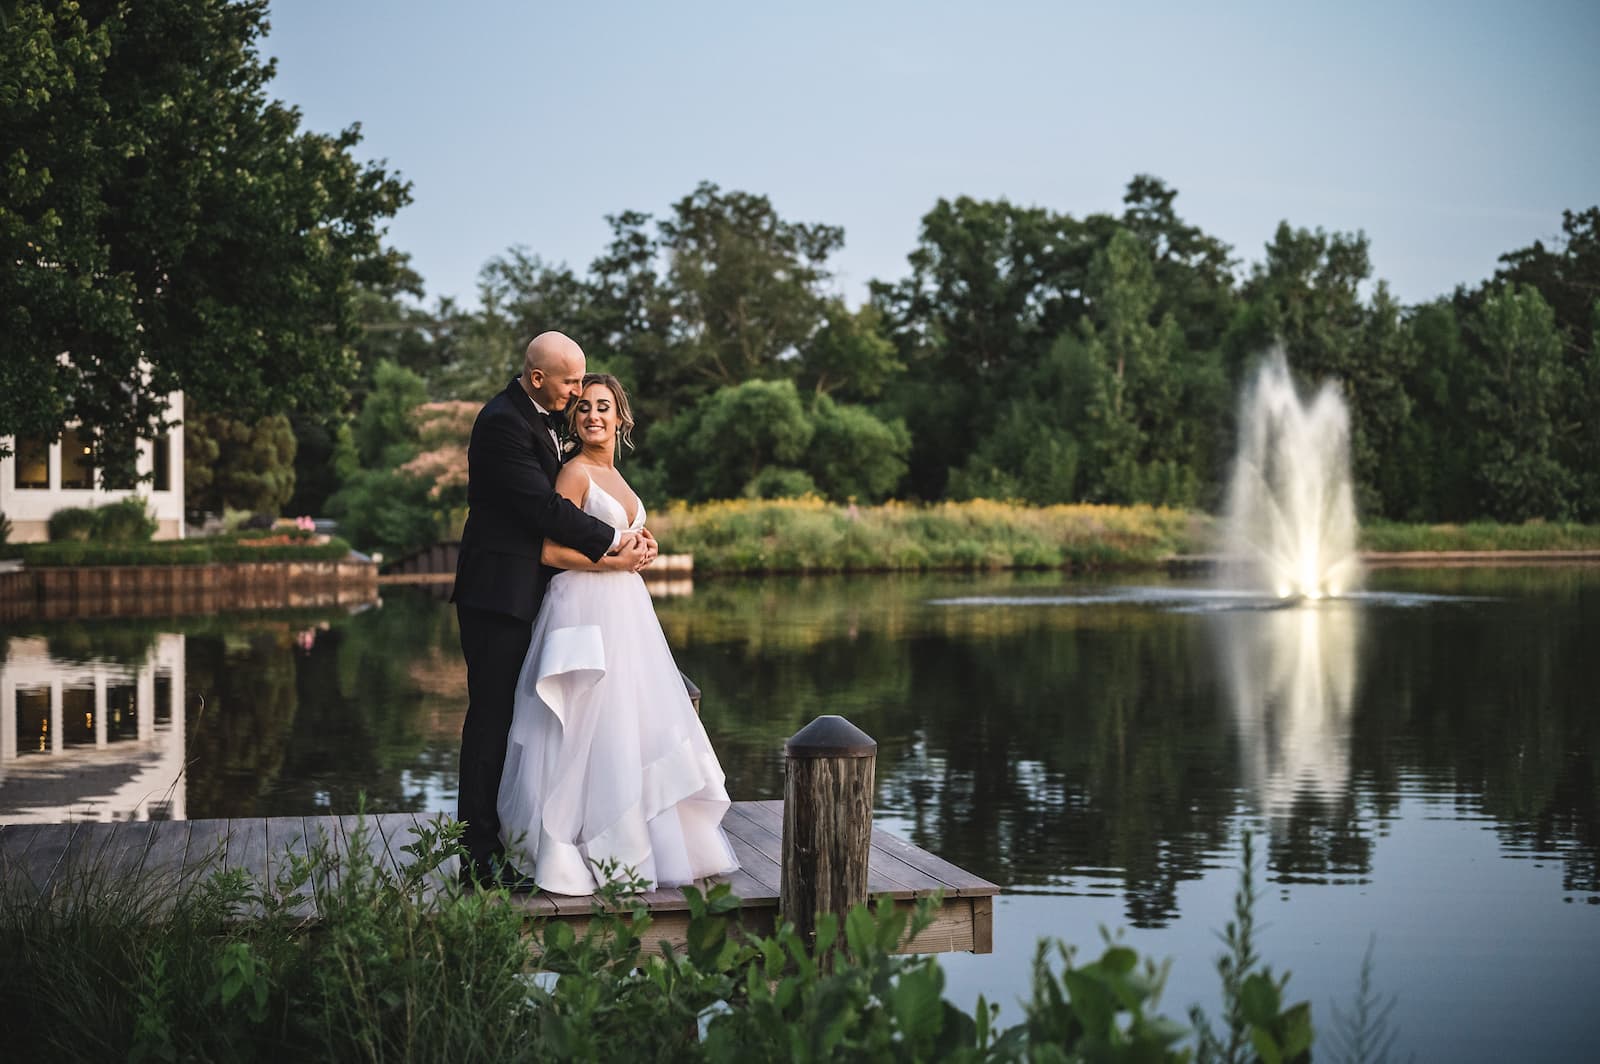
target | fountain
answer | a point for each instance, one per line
(1291, 515)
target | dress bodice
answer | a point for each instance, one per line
(602, 504)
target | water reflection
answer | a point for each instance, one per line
(95, 738)
(1291, 677)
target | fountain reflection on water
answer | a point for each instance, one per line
(1291, 515)
(1291, 676)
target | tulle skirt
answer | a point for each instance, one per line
(608, 763)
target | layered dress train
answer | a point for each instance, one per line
(608, 763)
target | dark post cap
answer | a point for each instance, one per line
(830, 736)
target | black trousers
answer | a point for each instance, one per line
(494, 645)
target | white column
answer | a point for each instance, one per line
(55, 716)
(99, 707)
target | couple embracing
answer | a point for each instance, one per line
(580, 750)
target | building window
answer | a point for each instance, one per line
(33, 720)
(33, 463)
(161, 454)
(76, 472)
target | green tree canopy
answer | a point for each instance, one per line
(1517, 401)
(169, 226)
(238, 464)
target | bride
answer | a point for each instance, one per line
(607, 759)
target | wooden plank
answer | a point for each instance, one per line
(983, 925)
(361, 834)
(761, 874)
(44, 856)
(208, 846)
(163, 860)
(322, 834)
(286, 839)
(950, 932)
(247, 848)
(125, 853)
(14, 842)
(81, 861)
(957, 881)
(883, 877)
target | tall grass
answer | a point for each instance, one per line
(810, 535)
(1480, 535)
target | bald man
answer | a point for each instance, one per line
(512, 508)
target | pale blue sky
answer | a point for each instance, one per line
(1449, 131)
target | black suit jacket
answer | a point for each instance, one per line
(513, 507)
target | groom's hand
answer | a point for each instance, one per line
(629, 557)
(652, 549)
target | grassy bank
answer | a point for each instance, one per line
(1480, 535)
(115, 968)
(809, 535)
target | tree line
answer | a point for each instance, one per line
(1034, 355)
(167, 225)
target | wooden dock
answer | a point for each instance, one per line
(47, 858)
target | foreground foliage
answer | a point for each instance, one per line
(231, 968)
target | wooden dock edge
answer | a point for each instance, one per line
(54, 860)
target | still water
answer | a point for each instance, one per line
(1419, 766)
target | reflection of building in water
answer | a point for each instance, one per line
(1291, 674)
(91, 740)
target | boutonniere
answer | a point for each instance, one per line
(568, 445)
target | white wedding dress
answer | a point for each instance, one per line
(607, 760)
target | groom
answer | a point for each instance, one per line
(512, 508)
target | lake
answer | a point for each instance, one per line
(1419, 766)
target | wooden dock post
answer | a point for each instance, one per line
(827, 821)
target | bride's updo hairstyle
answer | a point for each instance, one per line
(624, 411)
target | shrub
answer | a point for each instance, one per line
(174, 552)
(5, 530)
(780, 482)
(71, 524)
(127, 521)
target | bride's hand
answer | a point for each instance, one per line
(652, 550)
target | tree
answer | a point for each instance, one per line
(722, 291)
(854, 455)
(1567, 277)
(1516, 404)
(992, 285)
(386, 432)
(1193, 272)
(169, 226)
(240, 465)
(849, 357)
(1306, 296)
(718, 447)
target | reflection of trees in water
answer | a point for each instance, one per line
(288, 730)
(990, 741)
(241, 711)
(361, 728)
(1062, 747)
(1498, 697)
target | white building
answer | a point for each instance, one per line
(38, 478)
